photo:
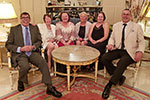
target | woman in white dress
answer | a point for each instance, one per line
(48, 34)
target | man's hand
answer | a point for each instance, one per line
(138, 56)
(27, 48)
(110, 47)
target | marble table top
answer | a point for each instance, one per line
(75, 53)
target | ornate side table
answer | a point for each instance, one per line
(75, 55)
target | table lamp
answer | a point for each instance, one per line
(7, 14)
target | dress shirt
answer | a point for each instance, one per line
(23, 32)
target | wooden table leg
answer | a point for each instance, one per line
(55, 68)
(68, 76)
(96, 68)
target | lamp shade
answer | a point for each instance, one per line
(7, 13)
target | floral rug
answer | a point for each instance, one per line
(82, 89)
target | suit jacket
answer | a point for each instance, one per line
(134, 38)
(15, 40)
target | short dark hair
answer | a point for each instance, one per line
(24, 13)
(48, 15)
(101, 12)
(63, 13)
(127, 10)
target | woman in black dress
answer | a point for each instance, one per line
(98, 36)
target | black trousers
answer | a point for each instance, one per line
(116, 71)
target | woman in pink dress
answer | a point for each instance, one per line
(65, 30)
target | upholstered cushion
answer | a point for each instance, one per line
(73, 20)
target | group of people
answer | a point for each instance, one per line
(64, 33)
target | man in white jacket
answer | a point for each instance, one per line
(127, 44)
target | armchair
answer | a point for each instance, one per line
(15, 70)
(133, 67)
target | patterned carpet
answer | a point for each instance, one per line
(82, 89)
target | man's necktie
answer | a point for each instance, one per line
(27, 37)
(123, 35)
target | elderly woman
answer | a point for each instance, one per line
(65, 30)
(98, 35)
(47, 31)
(82, 29)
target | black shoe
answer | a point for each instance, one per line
(122, 80)
(20, 86)
(106, 92)
(52, 91)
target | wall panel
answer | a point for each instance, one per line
(113, 9)
(36, 8)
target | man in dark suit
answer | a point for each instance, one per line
(23, 42)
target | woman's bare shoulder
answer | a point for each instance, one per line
(105, 23)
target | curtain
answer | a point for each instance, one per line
(145, 10)
(137, 7)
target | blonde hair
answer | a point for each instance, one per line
(83, 13)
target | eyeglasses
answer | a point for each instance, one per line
(25, 17)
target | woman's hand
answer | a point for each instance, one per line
(51, 40)
(68, 43)
(93, 41)
(80, 39)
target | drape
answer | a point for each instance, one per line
(137, 8)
